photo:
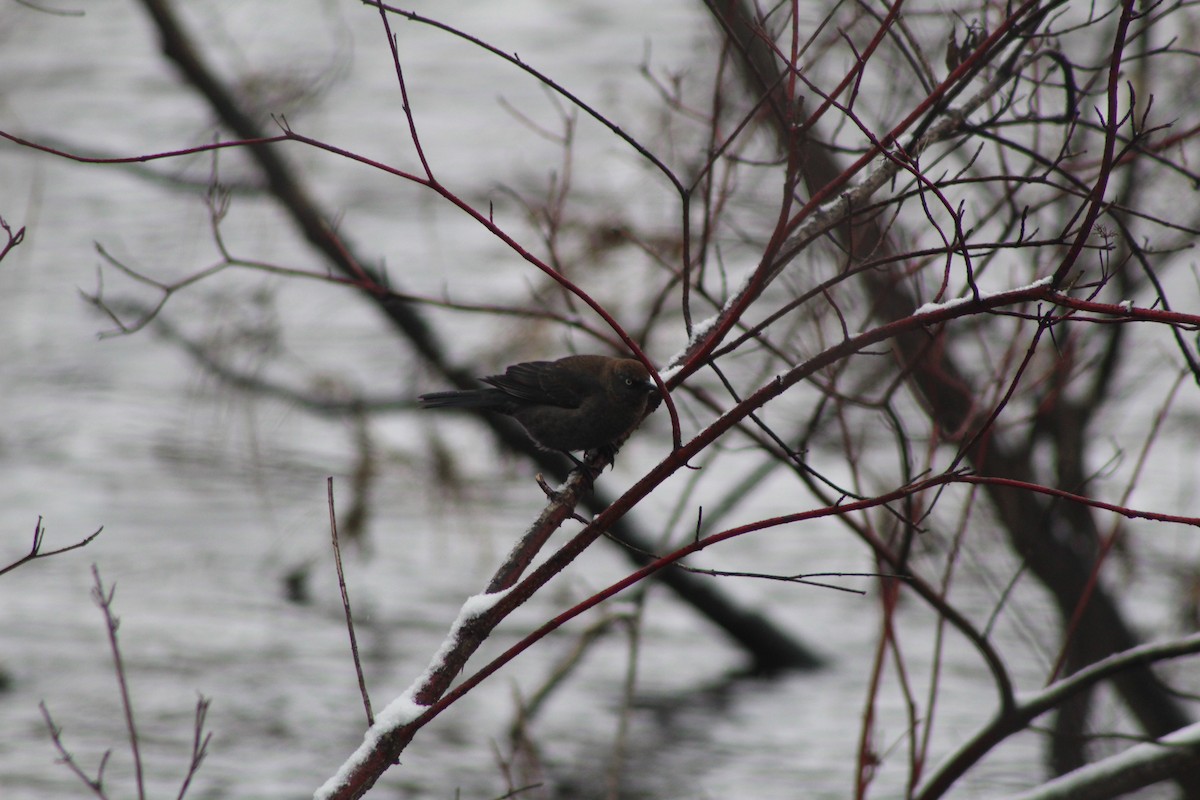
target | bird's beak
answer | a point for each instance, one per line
(653, 399)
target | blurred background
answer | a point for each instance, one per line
(212, 495)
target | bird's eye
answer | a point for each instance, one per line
(629, 381)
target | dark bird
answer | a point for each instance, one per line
(574, 403)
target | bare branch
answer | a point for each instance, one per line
(35, 549)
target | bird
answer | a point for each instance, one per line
(581, 402)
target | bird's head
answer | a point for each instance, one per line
(630, 384)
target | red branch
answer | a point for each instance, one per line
(390, 744)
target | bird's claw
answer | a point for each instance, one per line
(588, 472)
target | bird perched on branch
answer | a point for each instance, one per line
(574, 403)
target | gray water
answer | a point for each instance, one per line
(209, 498)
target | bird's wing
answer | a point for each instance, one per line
(541, 382)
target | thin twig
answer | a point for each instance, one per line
(200, 741)
(104, 601)
(96, 785)
(337, 560)
(35, 550)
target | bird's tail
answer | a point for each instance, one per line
(492, 399)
